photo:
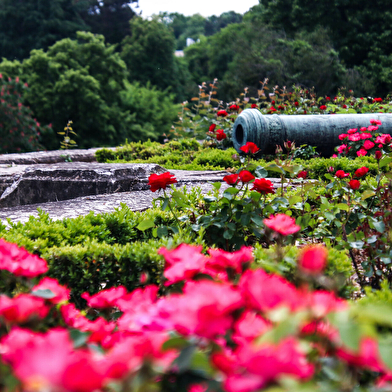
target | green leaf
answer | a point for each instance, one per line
(348, 329)
(261, 172)
(385, 350)
(257, 220)
(165, 203)
(79, 338)
(228, 234)
(343, 206)
(180, 199)
(231, 191)
(45, 293)
(376, 313)
(245, 219)
(377, 225)
(184, 360)
(294, 200)
(201, 363)
(162, 231)
(367, 193)
(176, 342)
(145, 225)
(275, 168)
(385, 161)
(357, 244)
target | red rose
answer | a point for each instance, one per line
(231, 179)
(246, 176)
(328, 98)
(375, 122)
(272, 102)
(212, 128)
(220, 134)
(249, 148)
(302, 174)
(341, 174)
(272, 109)
(361, 172)
(282, 224)
(361, 152)
(313, 259)
(222, 113)
(354, 184)
(254, 106)
(161, 181)
(263, 186)
(378, 154)
(344, 106)
(377, 100)
(296, 103)
(323, 107)
(368, 145)
(234, 107)
(280, 107)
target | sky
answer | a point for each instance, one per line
(190, 7)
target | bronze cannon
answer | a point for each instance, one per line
(322, 131)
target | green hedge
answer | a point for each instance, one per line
(94, 266)
(186, 154)
(119, 227)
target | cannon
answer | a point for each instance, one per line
(320, 130)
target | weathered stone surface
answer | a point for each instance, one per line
(322, 131)
(136, 200)
(137, 197)
(31, 158)
(69, 180)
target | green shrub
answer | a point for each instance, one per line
(118, 227)
(94, 266)
(215, 157)
(105, 155)
(379, 296)
(186, 154)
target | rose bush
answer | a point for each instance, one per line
(226, 325)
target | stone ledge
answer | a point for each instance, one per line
(56, 156)
(69, 180)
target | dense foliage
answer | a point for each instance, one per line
(29, 25)
(360, 31)
(85, 80)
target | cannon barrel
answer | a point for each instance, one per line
(322, 130)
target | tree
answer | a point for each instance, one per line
(109, 18)
(33, 24)
(241, 55)
(78, 80)
(85, 81)
(214, 24)
(361, 31)
(150, 112)
(148, 53)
